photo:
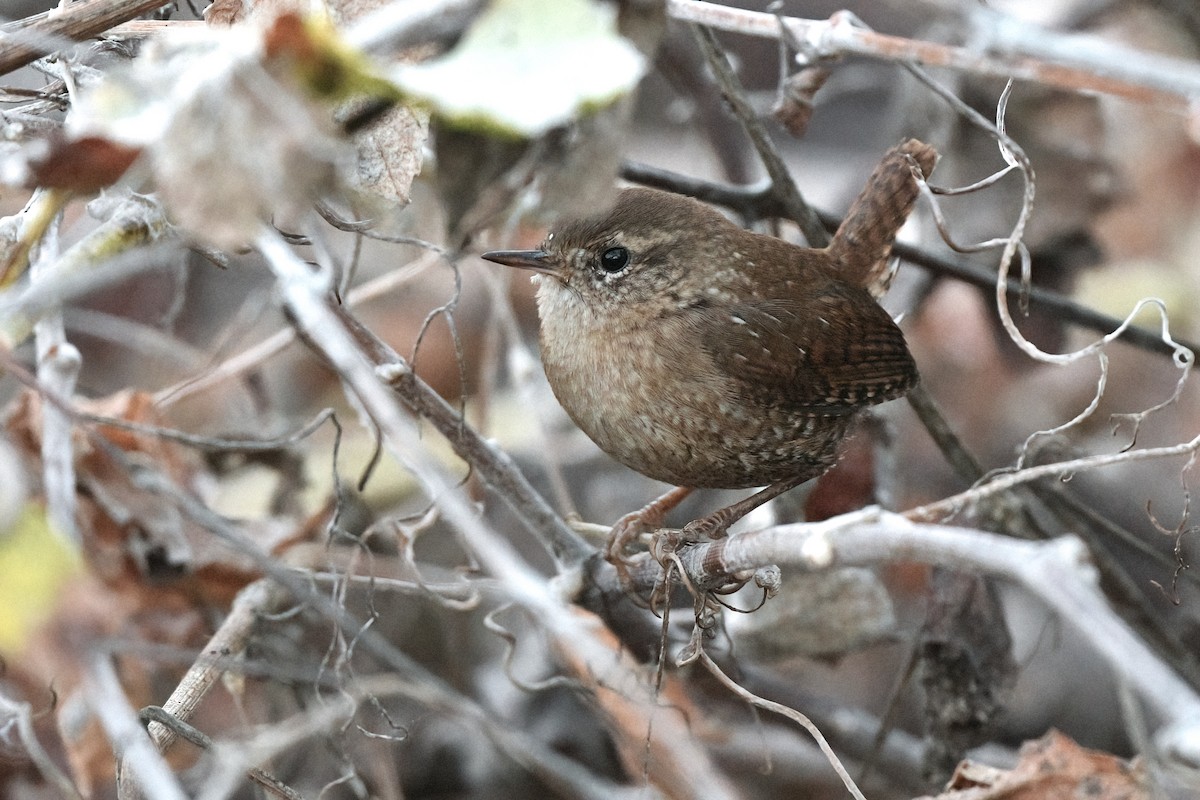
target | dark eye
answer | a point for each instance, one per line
(614, 259)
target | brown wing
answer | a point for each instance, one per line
(830, 353)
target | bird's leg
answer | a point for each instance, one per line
(635, 523)
(716, 524)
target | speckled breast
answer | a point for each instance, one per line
(651, 399)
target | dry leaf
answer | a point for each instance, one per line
(390, 154)
(84, 165)
(229, 121)
(1051, 768)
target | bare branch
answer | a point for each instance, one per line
(1075, 62)
(33, 37)
(1057, 571)
(144, 768)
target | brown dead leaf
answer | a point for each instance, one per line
(83, 165)
(390, 154)
(153, 575)
(134, 537)
(1051, 768)
(226, 12)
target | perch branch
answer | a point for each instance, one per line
(1056, 571)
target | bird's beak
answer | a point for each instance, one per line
(536, 260)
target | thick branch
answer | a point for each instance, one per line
(1074, 62)
(1056, 571)
(31, 38)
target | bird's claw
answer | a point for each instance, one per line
(624, 533)
(705, 529)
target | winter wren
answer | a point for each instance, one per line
(705, 355)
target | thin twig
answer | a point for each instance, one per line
(782, 184)
(257, 355)
(493, 465)
(16, 718)
(420, 684)
(790, 713)
(1061, 470)
(306, 294)
(154, 715)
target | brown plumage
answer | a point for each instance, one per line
(704, 355)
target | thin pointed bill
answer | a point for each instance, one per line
(536, 260)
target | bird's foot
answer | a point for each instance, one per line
(716, 525)
(624, 533)
(630, 528)
(706, 529)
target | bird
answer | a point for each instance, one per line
(704, 355)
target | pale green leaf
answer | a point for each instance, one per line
(526, 66)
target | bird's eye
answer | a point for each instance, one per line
(614, 259)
